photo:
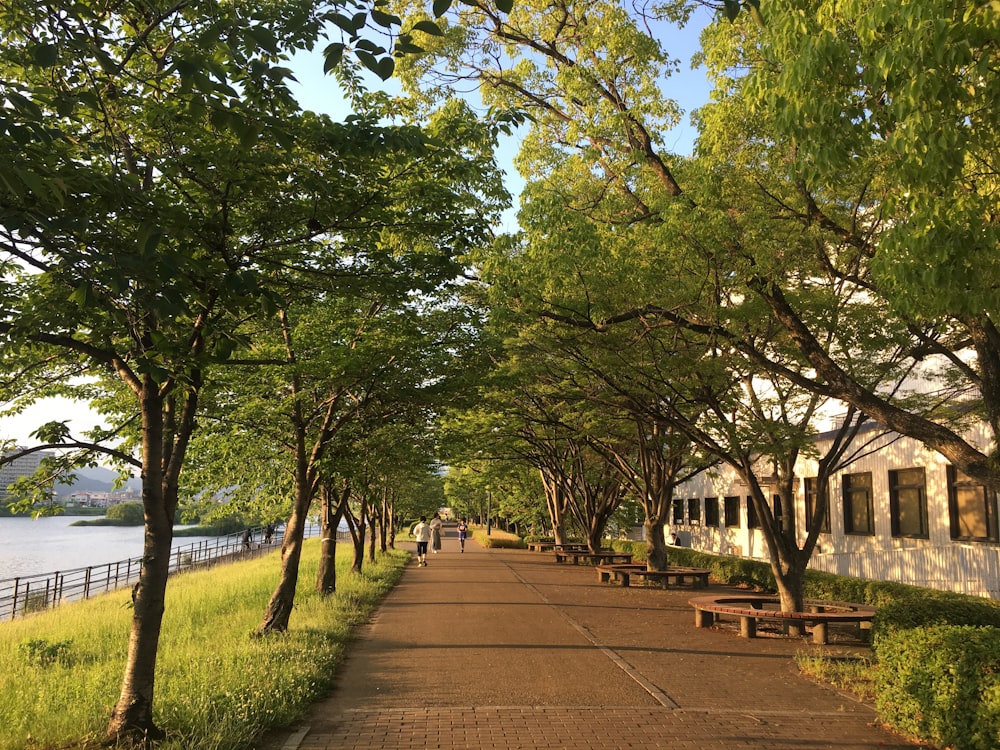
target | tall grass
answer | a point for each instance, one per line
(217, 686)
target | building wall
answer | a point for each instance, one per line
(936, 560)
(19, 467)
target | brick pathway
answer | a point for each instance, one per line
(506, 649)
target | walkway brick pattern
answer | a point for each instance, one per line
(505, 649)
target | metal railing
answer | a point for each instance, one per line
(27, 594)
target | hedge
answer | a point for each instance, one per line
(942, 683)
(937, 670)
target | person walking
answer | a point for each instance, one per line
(436, 524)
(422, 533)
(463, 532)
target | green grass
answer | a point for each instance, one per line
(217, 686)
(853, 673)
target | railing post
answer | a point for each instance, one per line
(86, 584)
(13, 606)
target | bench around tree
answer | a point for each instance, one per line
(623, 574)
(594, 558)
(750, 609)
(550, 546)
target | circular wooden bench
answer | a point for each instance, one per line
(623, 574)
(753, 608)
(601, 557)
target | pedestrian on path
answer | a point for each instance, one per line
(422, 532)
(463, 532)
(436, 525)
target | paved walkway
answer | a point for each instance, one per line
(506, 649)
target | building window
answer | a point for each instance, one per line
(678, 505)
(972, 509)
(694, 511)
(711, 511)
(812, 498)
(732, 511)
(859, 512)
(908, 503)
(753, 522)
(780, 522)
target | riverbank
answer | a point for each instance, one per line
(217, 686)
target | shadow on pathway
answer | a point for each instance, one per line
(506, 649)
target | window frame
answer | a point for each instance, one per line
(694, 511)
(730, 507)
(677, 510)
(810, 488)
(959, 480)
(753, 519)
(712, 511)
(849, 492)
(894, 502)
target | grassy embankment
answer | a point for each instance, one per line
(217, 687)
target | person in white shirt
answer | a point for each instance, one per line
(422, 532)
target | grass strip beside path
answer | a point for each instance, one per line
(217, 686)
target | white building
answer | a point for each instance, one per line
(900, 513)
(19, 467)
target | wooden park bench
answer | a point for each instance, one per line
(622, 574)
(606, 556)
(752, 608)
(551, 546)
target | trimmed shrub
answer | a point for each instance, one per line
(942, 683)
(934, 608)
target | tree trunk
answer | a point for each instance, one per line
(132, 718)
(279, 608)
(165, 437)
(790, 582)
(556, 502)
(331, 511)
(656, 543)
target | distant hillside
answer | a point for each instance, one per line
(94, 480)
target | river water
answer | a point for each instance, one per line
(46, 545)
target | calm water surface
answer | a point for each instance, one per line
(45, 545)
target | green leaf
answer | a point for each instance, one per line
(346, 23)
(386, 66)
(45, 55)
(441, 7)
(407, 48)
(333, 54)
(428, 27)
(385, 19)
(506, 6)
(368, 60)
(83, 296)
(151, 242)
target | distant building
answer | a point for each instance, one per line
(19, 467)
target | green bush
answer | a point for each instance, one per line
(942, 684)
(127, 514)
(41, 653)
(934, 608)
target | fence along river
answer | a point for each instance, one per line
(33, 592)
